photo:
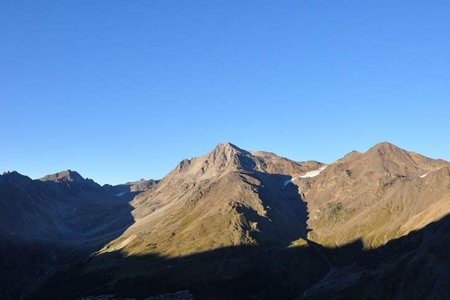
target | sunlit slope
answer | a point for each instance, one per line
(378, 195)
(227, 197)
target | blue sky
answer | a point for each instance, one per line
(121, 90)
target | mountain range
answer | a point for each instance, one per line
(234, 224)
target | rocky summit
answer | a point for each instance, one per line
(234, 224)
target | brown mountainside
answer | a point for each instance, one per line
(378, 195)
(234, 224)
(224, 198)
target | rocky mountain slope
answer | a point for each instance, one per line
(63, 207)
(376, 196)
(227, 197)
(236, 224)
(51, 221)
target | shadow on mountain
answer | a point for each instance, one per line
(415, 266)
(287, 210)
(227, 273)
(47, 224)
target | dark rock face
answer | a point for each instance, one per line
(51, 222)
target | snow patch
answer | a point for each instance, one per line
(121, 194)
(314, 173)
(307, 175)
(424, 175)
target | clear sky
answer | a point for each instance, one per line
(124, 89)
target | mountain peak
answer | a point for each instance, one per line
(225, 153)
(383, 158)
(67, 176)
(383, 150)
(385, 147)
(227, 146)
(14, 176)
(387, 150)
(223, 156)
(11, 173)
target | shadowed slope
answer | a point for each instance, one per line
(50, 222)
(415, 266)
